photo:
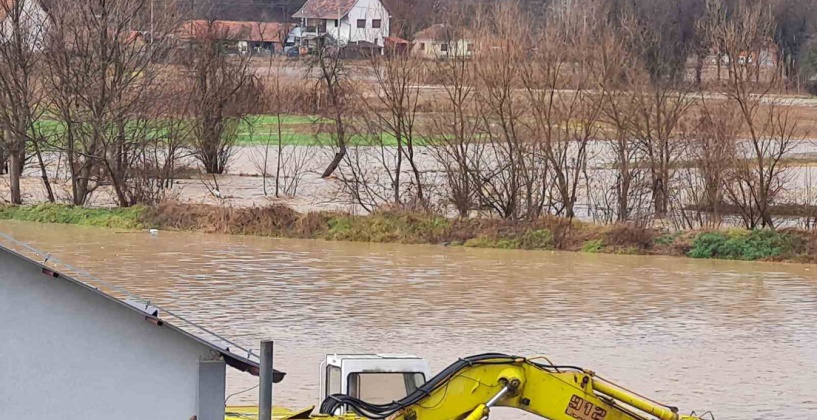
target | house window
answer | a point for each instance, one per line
(376, 23)
(312, 25)
(322, 27)
(444, 47)
(361, 23)
(422, 46)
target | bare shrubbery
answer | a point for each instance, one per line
(587, 112)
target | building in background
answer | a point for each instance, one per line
(344, 22)
(441, 41)
(242, 37)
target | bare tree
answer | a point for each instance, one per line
(393, 115)
(565, 112)
(290, 161)
(513, 175)
(101, 76)
(223, 92)
(22, 34)
(454, 131)
(658, 127)
(334, 83)
(758, 178)
(713, 147)
(104, 83)
(619, 69)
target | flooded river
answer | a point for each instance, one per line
(736, 338)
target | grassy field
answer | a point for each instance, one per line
(259, 130)
(297, 130)
(548, 233)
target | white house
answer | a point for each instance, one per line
(347, 21)
(29, 16)
(71, 351)
(442, 41)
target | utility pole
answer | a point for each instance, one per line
(265, 382)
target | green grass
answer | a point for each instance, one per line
(667, 238)
(388, 227)
(593, 246)
(259, 130)
(116, 218)
(742, 245)
(541, 239)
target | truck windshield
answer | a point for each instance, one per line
(382, 387)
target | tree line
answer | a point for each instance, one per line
(586, 107)
(589, 109)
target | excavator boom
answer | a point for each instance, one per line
(469, 388)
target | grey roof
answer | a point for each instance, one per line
(245, 10)
(325, 9)
(205, 337)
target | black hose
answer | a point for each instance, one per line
(382, 411)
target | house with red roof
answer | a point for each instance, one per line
(243, 36)
(359, 22)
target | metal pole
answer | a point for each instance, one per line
(497, 397)
(265, 382)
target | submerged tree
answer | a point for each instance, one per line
(223, 91)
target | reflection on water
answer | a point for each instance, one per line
(735, 338)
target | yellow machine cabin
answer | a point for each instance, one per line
(398, 387)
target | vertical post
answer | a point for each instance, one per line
(265, 382)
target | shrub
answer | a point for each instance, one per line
(535, 239)
(667, 238)
(741, 245)
(593, 246)
(116, 218)
(480, 241)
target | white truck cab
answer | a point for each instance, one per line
(374, 378)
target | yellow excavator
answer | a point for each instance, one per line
(469, 389)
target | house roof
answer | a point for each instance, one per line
(204, 337)
(325, 9)
(438, 32)
(244, 10)
(396, 41)
(442, 32)
(235, 30)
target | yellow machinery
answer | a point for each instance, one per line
(469, 388)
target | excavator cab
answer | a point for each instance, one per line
(375, 378)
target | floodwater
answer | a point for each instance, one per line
(739, 339)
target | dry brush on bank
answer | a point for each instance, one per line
(549, 233)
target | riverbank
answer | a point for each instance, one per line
(548, 233)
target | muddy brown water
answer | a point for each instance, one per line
(736, 338)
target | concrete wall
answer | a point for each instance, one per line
(70, 353)
(430, 48)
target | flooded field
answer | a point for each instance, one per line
(736, 338)
(242, 185)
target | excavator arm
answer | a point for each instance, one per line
(468, 389)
